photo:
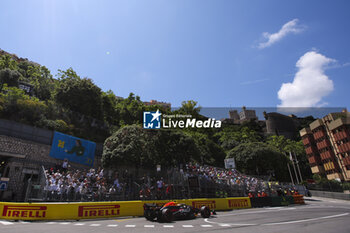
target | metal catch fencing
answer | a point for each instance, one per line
(140, 184)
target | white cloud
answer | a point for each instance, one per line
(310, 84)
(337, 65)
(288, 28)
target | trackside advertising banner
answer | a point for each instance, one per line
(62, 211)
(93, 210)
(72, 148)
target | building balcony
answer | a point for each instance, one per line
(306, 141)
(327, 155)
(344, 147)
(319, 134)
(317, 169)
(329, 166)
(340, 135)
(323, 144)
(311, 150)
(346, 161)
(312, 160)
(335, 175)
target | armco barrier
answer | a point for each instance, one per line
(275, 201)
(261, 201)
(282, 201)
(93, 210)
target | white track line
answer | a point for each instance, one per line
(224, 225)
(79, 224)
(206, 225)
(229, 224)
(6, 223)
(112, 225)
(276, 223)
(95, 225)
(148, 226)
(65, 223)
(130, 225)
(260, 211)
(306, 220)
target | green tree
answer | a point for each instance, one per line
(10, 77)
(135, 146)
(190, 107)
(210, 152)
(109, 104)
(130, 110)
(79, 94)
(257, 158)
(42, 81)
(278, 142)
(21, 107)
(286, 146)
(232, 135)
(6, 61)
(31, 110)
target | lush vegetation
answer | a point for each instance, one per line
(68, 103)
(75, 105)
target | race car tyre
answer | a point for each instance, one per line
(149, 215)
(166, 215)
(205, 212)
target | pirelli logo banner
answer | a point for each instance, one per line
(26, 211)
(23, 211)
(210, 203)
(239, 203)
(99, 210)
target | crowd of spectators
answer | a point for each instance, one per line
(66, 184)
(221, 177)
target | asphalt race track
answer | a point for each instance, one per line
(318, 215)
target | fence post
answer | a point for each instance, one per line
(28, 191)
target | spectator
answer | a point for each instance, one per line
(65, 165)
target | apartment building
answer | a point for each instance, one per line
(327, 145)
(155, 102)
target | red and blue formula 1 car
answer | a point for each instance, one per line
(168, 213)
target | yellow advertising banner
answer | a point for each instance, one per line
(94, 210)
(62, 211)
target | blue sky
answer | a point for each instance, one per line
(214, 52)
